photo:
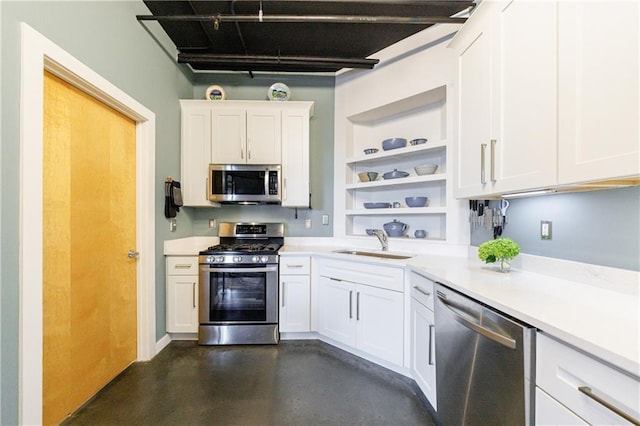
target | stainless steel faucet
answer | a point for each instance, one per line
(382, 237)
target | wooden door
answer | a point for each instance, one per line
(89, 217)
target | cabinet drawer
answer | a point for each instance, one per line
(361, 273)
(182, 265)
(295, 265)
(566, 374)
(422, 289)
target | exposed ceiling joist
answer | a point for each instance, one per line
(293, 35)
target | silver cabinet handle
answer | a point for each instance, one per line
(283, 294)
(420, 290)
(335, 279)
(483, 149)
(248, 148)
(493, 160)
(587, 391)
(358, 306)
(193, 295)
(294, 266)
(131, 254)
(206, 190)
(489, 334)
(431, 344)
(350, 304)
(284, 189)
(183, 266)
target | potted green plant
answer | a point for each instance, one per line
(501, 250)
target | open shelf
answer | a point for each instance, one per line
(397, 211)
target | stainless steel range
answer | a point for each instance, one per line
(239, 285)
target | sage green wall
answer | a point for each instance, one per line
(106, 37)
(316, 88)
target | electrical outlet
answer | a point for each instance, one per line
(213, 224)
(173, 224)
(307, 223)
(545, 229)
(325, 219)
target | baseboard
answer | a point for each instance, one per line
(299, 336)
(183, 336)
(162, 343)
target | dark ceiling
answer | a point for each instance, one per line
(293, 35)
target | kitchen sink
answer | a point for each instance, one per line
(370, 254)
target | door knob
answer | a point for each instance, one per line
(133, 254)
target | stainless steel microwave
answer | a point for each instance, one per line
(244, 184)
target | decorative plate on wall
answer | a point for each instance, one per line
(215, 93)
(279, 92)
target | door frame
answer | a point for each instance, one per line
(37, 55)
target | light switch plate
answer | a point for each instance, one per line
(173, 224)
(307, 223)
(545, 230)
(325, 219)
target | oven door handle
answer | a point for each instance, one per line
(236, 270)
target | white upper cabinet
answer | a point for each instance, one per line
(245, 132)
(246, 136)
(599, 90)
(295, 156)
(548, 95)
(196, 153)
(507, 98)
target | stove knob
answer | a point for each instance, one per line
(220, 259)
(210, 259)
(237, 259)
(255, 259)
(264, 259)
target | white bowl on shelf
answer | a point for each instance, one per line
(426, 169)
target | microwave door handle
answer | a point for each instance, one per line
(267, 175)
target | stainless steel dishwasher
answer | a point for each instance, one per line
(485, 364)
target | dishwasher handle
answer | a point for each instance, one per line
(489, 334)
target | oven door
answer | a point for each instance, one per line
(238, 295)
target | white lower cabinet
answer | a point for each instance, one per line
(182, 294)
(423, 350)
(423, 354)
(550, 412)
(360, 314)
(592, 390)
(295, 294)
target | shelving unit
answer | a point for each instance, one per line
(420, 116)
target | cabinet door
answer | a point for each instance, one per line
(474, 103)
(599, 90)
(182, 304)
(379, 316)
(522, 151)
(228, 136)
(551, 412)
(264, 133)
(295, 303)
(423, 354)
(336, 313)
(295, 158)
(196, 154)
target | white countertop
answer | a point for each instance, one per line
(601, 321)
(596, 309)
(593, 308)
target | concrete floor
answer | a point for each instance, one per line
(293, 383)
